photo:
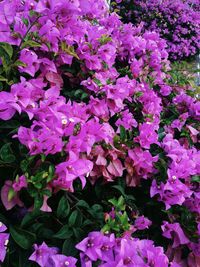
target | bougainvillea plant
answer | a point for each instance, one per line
(99, 154)
(178, 22)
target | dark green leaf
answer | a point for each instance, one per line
(31, 217)
(196, 178)
(6, 153)
(63, 208)
(23, 238)
(73, 217)
(122, 133)
(83, 204)
(69, 247)
(64, 233)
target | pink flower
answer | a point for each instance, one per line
(3, 245)
(45, 207)
(19, 183)
(126, 120)
(142, 223)
(59, 260)
(40, 139)
(42, 253)
(142, 161)
(175, 232)
(147, 135)
(72, 169)
(8, 197)
(3, 241)
(29, 58)
(115, 168)
(8, 106)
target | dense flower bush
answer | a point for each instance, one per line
(99, 149)
(176, 21)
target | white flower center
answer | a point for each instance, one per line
(64, 121)
(6, 242)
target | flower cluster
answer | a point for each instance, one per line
(107, 250)
(48, 257)
(81, 131)
(177, 22)
(92, 104)
(112, 251)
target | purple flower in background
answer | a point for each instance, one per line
(30, 59)
(142, 223)
(3, 245)
(181, 16)
(59, 260)
(3, 228)
(68, 171)
(19, 183)
(124, 251)
(4, 238)
(91, 245)
(42, 253)
(126, 120)
(10, 200)
(89, 75)
(147, 135)
(8, 106)
(175, 232)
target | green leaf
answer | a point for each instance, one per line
(38, 200)
(45, 233)
(51, 173)
(25, 21)
(6, 153)
(87, 222)
(196, 178)
(120, 203)
(124, 219)
(63, 208)
(84, 96)
(113, 201)
(30, 43)
(120, 189)
(1, 86)
(97, 81)
(24, 165)
(123, 133)
(46, 192)
(31, 217)
(83, 204)
(23, 238)
(69, 247)
(19, 63)
(3, 79)
(11, 194)
(78, 92)
(79, 233)
(8, 48)
(5, 60)
(64, 233)
(104, 39)
(33, 13)
(73, 217)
